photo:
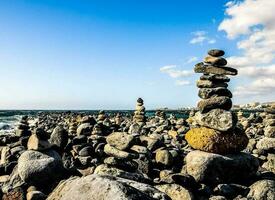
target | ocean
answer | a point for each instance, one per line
(9, 118)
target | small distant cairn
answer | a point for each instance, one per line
(160, 115)
(139, 115)
(101, 116)
(118, 119)
(73, 128)
(23, 129)
(216, 134)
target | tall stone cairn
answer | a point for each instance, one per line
(139, 115)
(215, 130)
(216, 137)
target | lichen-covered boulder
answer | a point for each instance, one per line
(210, 140)
(263, 189)
(175, 191)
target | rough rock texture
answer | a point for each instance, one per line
(208, 69)
(59, 137)
(95, 187)
(262, 190)
(175, 192)
(206, 105)
(217, 119)
(211, 140)
(206, 93)
(214, 168)
(120, 140)
(216, 52)
(40, 168)
(266, 144)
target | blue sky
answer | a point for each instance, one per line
(105, 54)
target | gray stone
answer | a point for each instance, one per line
(210, 84)
(112, 151)
(59, 137)
(95, 187)
(217, 119)
(206, 105)
(209, 69)
(120, 140)
(40, 168)
(266, 144)
(206, 93)
(214, 168)
(84, 129)
(215, 52)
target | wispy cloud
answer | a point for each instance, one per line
(182, 82)
(174, 72)
(201, 37)
(192, 59)
(257, 44)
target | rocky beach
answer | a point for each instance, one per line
(215, 153)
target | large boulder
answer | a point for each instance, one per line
(214, 168)
(38, 168)
(262, 190)
(120, 140)
(59, 137)
(217, 119)
(210, 140)
(95, 187)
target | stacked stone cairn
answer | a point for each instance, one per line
(101, 116)
(216, 137)
(139, 115)
(23, 128)
(266, 145)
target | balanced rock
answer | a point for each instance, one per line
(209, 69)
(206, 105)
(215, 52)
(206, 93)
(217, 119)
(215, 77)
(215, 61)
(59, 137)
(214, 141)
(210, 84)
(38, 144)
(213, 168)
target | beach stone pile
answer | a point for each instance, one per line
(23, 129)
(139, 115)
(266, 145)
(215, 136)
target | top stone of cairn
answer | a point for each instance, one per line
(215, 52)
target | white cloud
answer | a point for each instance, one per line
(173, 72)
(254, 21)
(200, 37)
(182, 82)
(192, 59)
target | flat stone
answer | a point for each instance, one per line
(106, 170)
(215, 61)
(210, 140)
(209, 69)
(112, 151)
(222, 102)
(215, 77)
(213, 168)
(120, 140)
(206, 93)
(217, 119)
(127, 165)
(210, 84)
(215, 52)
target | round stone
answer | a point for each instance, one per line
(215, 52)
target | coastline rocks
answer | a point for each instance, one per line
(262, 190)
(217, 119)
(112, 151)
(40, 168)
(213, 141)
(95, 187)
(206, 105)
(214, 168)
